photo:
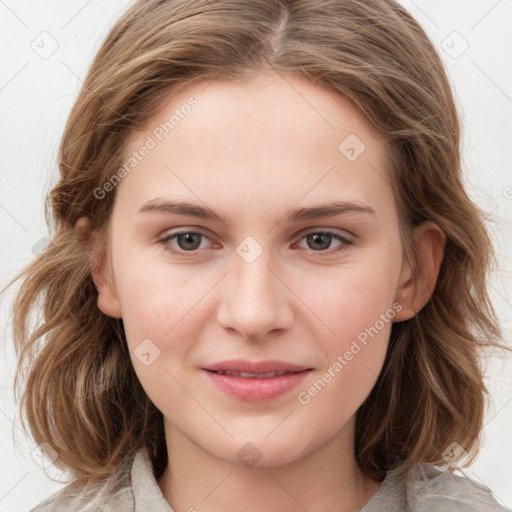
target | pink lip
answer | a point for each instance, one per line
(256, 389)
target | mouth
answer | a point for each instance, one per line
(255, 369)
(247, 375)
(255, 386)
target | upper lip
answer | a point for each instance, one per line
(268, 366)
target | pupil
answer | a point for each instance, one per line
(316, 236)
(189, 239)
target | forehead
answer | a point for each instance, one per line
(274, 135)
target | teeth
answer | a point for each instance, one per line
(251, 375)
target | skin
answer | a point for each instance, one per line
(252, 151)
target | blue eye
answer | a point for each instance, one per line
(190, 241)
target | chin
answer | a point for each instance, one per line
(261, 453)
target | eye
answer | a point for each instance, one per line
(318, 241)
(187, 241)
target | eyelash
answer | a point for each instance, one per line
(347, 242)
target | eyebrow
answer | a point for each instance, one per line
(332, 209)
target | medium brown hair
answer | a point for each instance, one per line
(81, 393)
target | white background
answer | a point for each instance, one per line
(37, 93)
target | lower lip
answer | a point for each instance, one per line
(256, 390)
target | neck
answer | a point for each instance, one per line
(325, 479)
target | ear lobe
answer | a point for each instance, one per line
(108, 301)
(429, 242)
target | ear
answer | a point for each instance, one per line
(108, 301)
(429, 242)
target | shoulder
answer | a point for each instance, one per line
(429, 488)
(69, 497)
(112, 494)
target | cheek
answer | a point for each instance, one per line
(352, 298)
(148, 289)
(161, 325)
(356, 309)
(153, 299)
(156, 308)
(359, 316)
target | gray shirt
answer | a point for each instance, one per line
(134, 489)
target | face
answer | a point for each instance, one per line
(271, 276)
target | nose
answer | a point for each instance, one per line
(256, 300)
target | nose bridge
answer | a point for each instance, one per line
(252, 273)
(255, 301)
